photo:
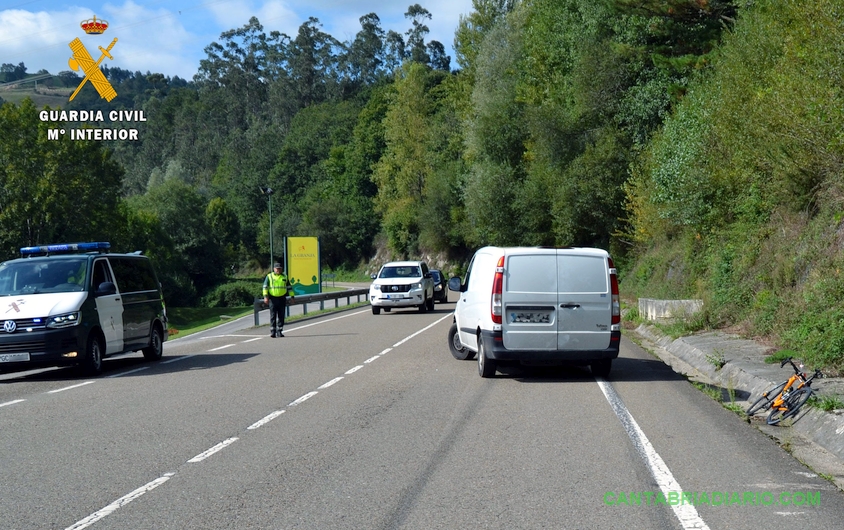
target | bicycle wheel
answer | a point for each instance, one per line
(766, 399)
(797, 400)
(790, 407)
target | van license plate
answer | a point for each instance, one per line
(530, 318)
(13, 357)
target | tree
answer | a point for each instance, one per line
(45, 184)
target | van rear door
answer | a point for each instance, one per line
(584, 301)
(529, 299)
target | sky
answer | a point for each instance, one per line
(169, 36)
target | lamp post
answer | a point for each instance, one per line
(268, 191)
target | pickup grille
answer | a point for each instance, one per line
(395, 288)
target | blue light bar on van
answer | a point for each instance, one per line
(99, 246)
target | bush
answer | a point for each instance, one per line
(233, 294)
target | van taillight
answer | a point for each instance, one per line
(616, 304)
(497, 288)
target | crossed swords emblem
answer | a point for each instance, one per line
(82, 58)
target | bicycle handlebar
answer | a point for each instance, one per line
(785, 362)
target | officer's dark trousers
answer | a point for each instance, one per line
(277, 306)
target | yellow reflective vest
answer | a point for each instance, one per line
(276, 285)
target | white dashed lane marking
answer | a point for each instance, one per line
(96, 516)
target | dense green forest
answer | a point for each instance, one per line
(697, 140)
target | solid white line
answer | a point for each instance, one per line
(328, 384)
(182, 358)
(421, 331)
(304, 398)
(686, 513)
(221, 347)
(12, 402)
(205, 454)
(327, 320)
(353, 370)
(69, 387)
(127, 373)
(266, 419)
(122, 501)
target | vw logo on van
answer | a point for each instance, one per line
(10, 326)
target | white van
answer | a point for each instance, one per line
(76, 304)
(524, 304)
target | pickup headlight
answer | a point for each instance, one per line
(417, 285)
(63, 321)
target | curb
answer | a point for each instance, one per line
(692, 356)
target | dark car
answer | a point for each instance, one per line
(440, 286)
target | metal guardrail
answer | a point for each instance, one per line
(321, 298)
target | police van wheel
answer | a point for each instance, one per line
(92, 363)
(376, 310)
(155, 350)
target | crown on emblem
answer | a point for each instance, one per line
(93, 26)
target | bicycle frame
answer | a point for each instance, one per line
(780, 400)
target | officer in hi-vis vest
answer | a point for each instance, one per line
(276, 291)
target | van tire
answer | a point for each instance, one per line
(486, 366)
(431, 303)
(423, 306)
(92, 363)
(601, 368)
(458, 351)
(155, 350)
(376, 310)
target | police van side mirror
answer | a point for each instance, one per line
(454, 284)
(106, 289)
(373, 276)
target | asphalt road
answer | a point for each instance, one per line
(356, 421)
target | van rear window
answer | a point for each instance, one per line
(532, 273)
(582, 274)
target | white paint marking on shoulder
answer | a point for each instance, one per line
(121, 374)
(328, 384)
(122, 501)
(252, 340)
(373, 358)
(221, 347)
(686, 513)
(265, 420)
(353, 370)
(205, 454)
(70, 387)
(388, 350)
(182, 358)
(12, 402)
(304, 398)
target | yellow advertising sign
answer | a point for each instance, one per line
(303, 264)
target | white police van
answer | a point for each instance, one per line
(76, 304)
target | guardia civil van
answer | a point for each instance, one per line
(75, 304)
(536, 304)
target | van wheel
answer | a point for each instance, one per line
(155, 350)
(92, 363)
(460, 352)
(376, 310)
(486, 366)
(431, 303)
(423, 306)
(601, 368)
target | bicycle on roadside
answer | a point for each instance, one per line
(786, 398)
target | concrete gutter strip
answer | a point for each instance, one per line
(746, 373)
